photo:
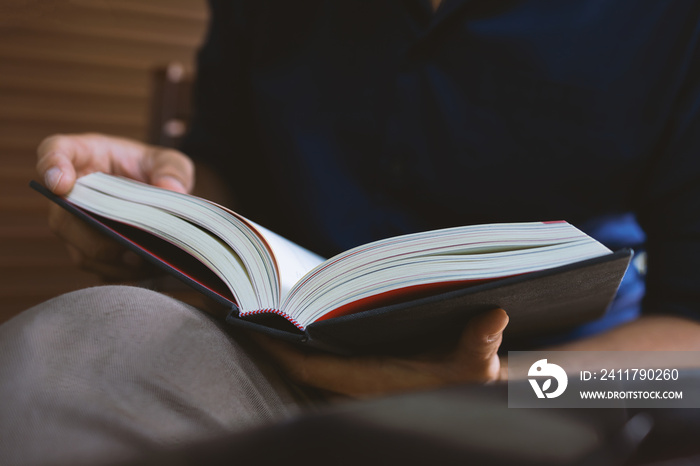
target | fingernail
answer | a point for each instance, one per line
(172, 183)
(132, 259)
(53, 177)
(494, 337)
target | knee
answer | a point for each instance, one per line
(104, 314)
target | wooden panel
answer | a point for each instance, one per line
(164, 8)
(101, 20)
(64, 106)
(31, 248)
(13, 182)
(73, 66)
(90, 78)
(29, 223)
(21, 136)
(15, 12)
(66, 46)
(20, 301)
(47, 279)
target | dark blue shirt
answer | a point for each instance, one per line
(337, 122)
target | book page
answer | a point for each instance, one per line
(470, 253)
(293, 261)
(274, 263)
(208, 249)
(211, 219)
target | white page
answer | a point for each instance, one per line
(293, 261)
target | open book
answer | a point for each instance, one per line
(435, 275)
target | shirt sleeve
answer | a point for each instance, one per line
(669, 209)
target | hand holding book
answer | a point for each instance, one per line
(473, 359)
(62, 159)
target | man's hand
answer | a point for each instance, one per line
(64, 158)
(473, 360)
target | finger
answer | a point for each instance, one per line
(169, 169)
(358, 377)
(477, 350)
(63, 158)
(484, 334)
(92, 250)
(57, 171)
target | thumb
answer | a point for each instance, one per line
(170, 169)
(482, 337)
(60, 176)
(169, 182)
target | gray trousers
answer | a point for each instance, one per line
(109, 372)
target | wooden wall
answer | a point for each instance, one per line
(72, 66)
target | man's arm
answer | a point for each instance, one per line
(648, 333)
(473, 360)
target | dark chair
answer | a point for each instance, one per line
(171, 104)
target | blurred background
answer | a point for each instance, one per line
(110, 66)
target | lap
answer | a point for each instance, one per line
(116, 370)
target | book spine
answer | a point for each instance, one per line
(273, 311)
